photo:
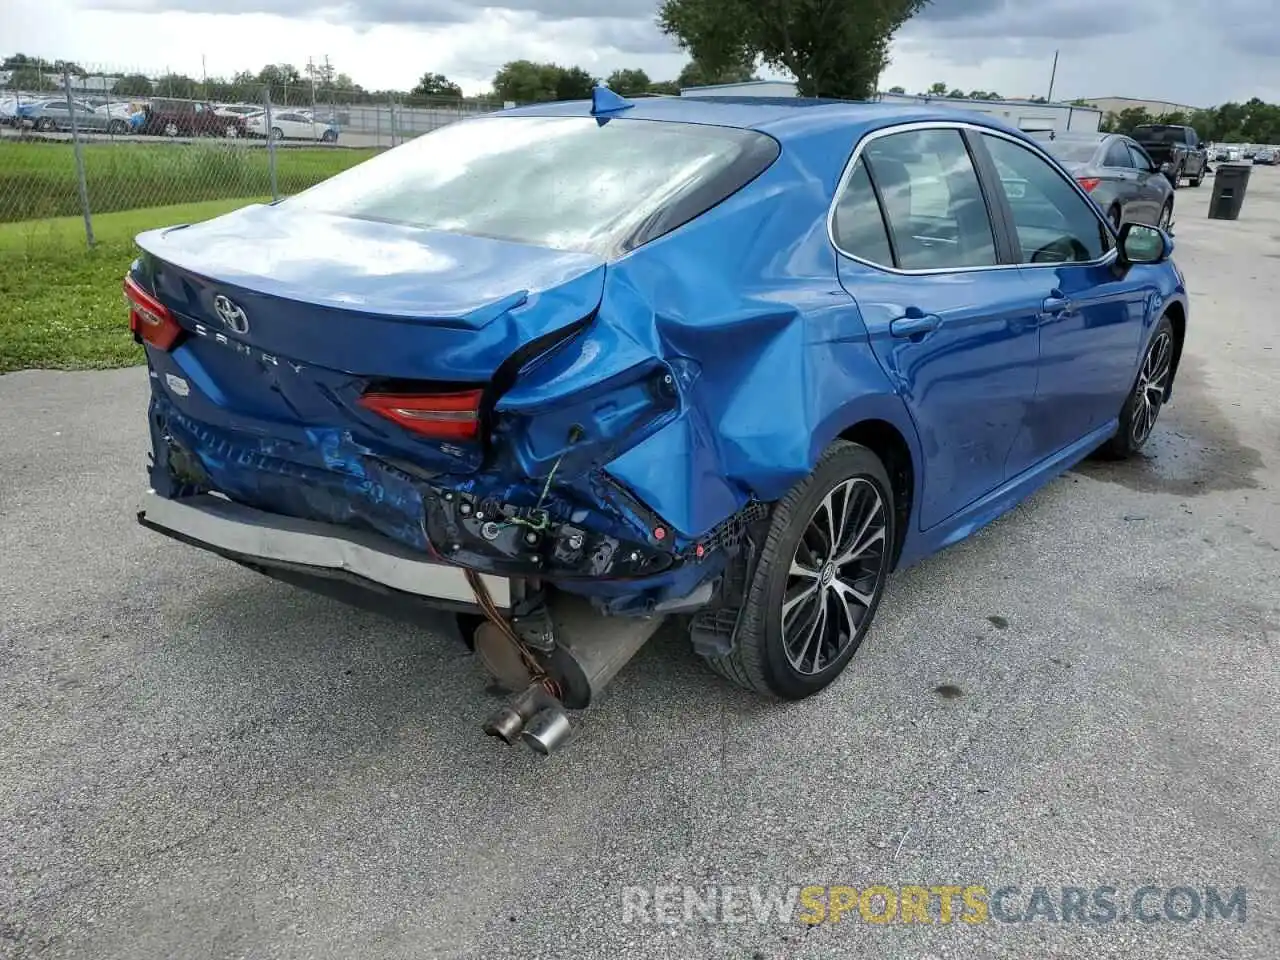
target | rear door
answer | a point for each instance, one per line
(1090, 320)
(920, 255)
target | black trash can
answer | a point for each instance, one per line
(1229, 184)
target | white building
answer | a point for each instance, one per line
(1023, 114)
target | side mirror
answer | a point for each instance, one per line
(1143, 243)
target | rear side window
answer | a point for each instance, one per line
(931, 199)
(1117, 155)
(569, 183)
(1055, 224)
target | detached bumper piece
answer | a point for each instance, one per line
(296, 549)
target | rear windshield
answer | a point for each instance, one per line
(1160, 134)
(564, 182)
(1071, 152)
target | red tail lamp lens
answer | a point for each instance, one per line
(441, 416)
(1088, 183)
(149, 318)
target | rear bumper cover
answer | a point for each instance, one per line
(270, 540)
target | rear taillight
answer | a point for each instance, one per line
(148, 317)
(442, 416)
(1088, 183)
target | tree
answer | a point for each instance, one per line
(133, 85)
(696, 74)
(436, 85)
(523, 81)
(629, 82)
(665, 87)
(955, 94)
(30, 80)
(831, 48)
(938, 90)
(574, 83)
(177, 85)
(898, 90)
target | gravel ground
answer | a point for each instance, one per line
(199, 762)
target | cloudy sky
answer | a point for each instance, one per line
(1200, 52)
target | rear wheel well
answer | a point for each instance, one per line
(883, 439)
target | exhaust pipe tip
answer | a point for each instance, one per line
(547, 730)
(506, 725)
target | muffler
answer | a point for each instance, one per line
(590, 650)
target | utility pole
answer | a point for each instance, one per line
(1053, 75)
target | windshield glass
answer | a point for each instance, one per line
(1159, 134)
(1068, 151)
(564, 182)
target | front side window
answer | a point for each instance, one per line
(933, 203)
(1054, 223)
(569, 183)
(1139, 157)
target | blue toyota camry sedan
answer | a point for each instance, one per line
(568, 370)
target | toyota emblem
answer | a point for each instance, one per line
(231, 315)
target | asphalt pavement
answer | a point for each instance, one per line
(199, 762)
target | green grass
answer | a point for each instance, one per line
(38, 180)
(63, 302)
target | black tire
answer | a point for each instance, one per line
(117, 128)
(1176, 179)
(1199, 178)
(1166, 215)
(277, 133)
(759, 660)
(1135, 430)
(171, 129)
(329, 137)
(46, 124)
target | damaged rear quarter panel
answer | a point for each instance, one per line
(743, 310)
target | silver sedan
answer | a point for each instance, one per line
(57, 115)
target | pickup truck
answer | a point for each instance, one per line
(1178, 146)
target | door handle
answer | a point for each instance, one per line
(915, 324)
(1056, 305)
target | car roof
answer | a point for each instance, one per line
(781, 117)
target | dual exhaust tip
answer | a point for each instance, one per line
(534, 717)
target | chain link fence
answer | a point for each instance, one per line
(83, 145)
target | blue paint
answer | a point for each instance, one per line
(712, 368)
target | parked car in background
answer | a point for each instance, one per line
(1177, 145)
(8, 111)
(536, 362)
(291, 125)
(54, 115)
(189, 118)
(241, 110)
(1117, 174)
(1266, 157)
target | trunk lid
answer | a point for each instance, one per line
(368, 298)
(290, 318)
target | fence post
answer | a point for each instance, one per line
(271, 142)
(391, 112)
(75, 142)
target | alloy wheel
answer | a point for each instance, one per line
(835, 576)
(1153, 381)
